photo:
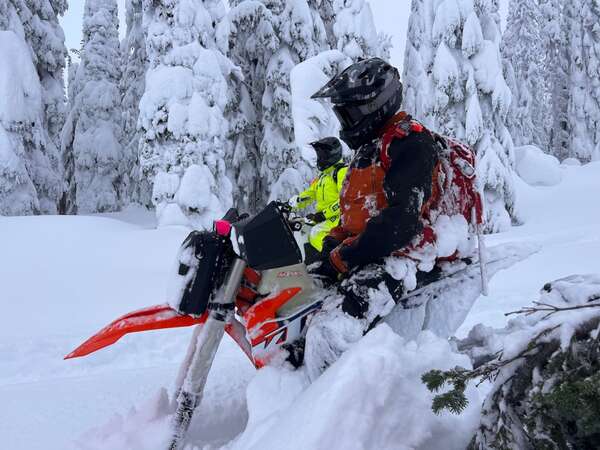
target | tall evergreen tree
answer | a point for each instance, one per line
(182, 112)
(355, 31)
(252, 40)
(327, 13)
(93, 132)
(267, 39)
(302, 35)
(33, 105)
(524, 63)
(464, 93)
(46, 39)
(132, 86)
(68, 200)
(555, 46)
(584, 100)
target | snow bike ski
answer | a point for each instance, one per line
(266, 255)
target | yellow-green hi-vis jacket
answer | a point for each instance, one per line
(325, 192)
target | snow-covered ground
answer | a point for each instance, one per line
(63, 278)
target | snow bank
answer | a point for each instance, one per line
(536, 167)
(372, 398)
(443, 307)
(571, 162)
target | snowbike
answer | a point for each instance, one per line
(264, 256)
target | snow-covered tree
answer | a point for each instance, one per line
(327, 13)
(182, 112)
(584, 100)
(544, 372)
(68, 201)
(93, 131)
(355, 32)
(418, 54)
(32, 110)
(267, 39)
(252, 42)
(21, 131)
(525, 76)
(454, 81)
(46, 39)
(301, 36)
(132, 86)
(555, 47)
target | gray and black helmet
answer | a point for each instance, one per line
(365, 97)
(329, 152)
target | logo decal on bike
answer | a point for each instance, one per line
(290, 274)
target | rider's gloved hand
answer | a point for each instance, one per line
(317, 217)
(325, 271)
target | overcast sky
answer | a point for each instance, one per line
(391, 17)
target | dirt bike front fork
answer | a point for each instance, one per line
(200, 356)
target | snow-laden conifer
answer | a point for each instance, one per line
(523, 56)
(584, 100)
(182, 116)
(68, 200)
(455, 83)
(267, 39)
(355, 32)
(301, 36)
(252, 42)
(327, 13)
(32, 106)
(313, 120)
(555, 46)
(46, 38)
(132, 86)
(543, 369)
(93, 131)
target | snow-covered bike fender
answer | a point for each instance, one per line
(153, 318)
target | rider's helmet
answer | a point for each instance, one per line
(365, 97)
(329, 152)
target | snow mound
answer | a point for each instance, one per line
(536, 167)
(371, 398)
(443, 306)
(571, 162)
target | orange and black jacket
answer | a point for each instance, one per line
(387, 185)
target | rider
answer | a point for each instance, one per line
(402, 179)
(325, 192)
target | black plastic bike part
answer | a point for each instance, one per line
(214, 257)
(266, 241)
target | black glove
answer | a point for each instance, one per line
(325, 271)
(317, 217)
(329, 244)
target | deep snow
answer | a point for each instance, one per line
(63, 278)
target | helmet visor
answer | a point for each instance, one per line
(349, 115)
